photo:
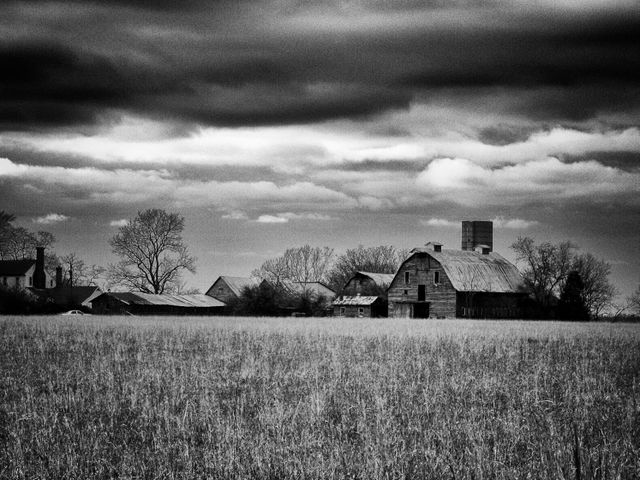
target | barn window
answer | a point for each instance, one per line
(405, 292)
(436, 277)
(360, 311)
(220, 290)
(343, 310)
(407, 278)
(30, 281)
(4, 280)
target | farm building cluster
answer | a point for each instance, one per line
(432, 282)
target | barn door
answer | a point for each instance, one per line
(421, 310)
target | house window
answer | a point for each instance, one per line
(436, 277)
(407, 278)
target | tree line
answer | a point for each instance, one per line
(562, 281)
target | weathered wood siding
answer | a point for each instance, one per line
(421, 268)
(352, 311)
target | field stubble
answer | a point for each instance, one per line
(317, 398)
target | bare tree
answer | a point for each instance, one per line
(381, 259)
(153, 254)
(76, 272)
(301, 265)
(546, 267)
(633, 302)
(597, 291)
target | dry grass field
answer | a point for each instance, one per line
(102, 397)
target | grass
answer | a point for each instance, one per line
(106, 397)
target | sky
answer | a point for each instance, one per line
(271, 124)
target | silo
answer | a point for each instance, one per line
(477, 232)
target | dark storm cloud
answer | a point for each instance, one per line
(230, 63)
(626, 161)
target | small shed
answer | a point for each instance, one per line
(123, 303)
(359, 306)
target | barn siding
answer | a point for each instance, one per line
(421, 268)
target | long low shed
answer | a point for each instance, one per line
(119, 303)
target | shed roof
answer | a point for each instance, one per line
(355, 300)
(186, 301)
(381, 279)
(13, 268)
(471, 271)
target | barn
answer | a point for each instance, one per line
(435, 283)
(368, 283)
(360, 306)
(125, 303)
(228, 289)
(364, 295)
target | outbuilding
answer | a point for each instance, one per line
(135, 303)
(359, 306)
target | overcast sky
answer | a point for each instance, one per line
(271, 124)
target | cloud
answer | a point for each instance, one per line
(513, 223)
(440, 222)
(235, 215)
(51, 218)
(287, 216)
(467, 183)
(119, 223)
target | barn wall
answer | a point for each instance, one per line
(352, 311)
(490, 305)
(221, 291)
(421, 268)
(361, 286)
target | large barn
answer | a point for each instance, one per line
(435, 283)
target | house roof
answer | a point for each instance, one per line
(471, 271)
(381, 279)
(236, 284)
(186, 301)
(15, 268)
(357, 300)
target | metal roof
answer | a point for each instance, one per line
(13, 268)
(355, 300)
(471, 271)
(187, 301)
(381, 279)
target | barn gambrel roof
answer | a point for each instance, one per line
(380, 279)
(471, 271)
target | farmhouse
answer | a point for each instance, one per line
(122, 303)
(27, 273)
(360, 306)
(228, 289)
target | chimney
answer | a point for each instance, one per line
(58, 276)
(39, 277)
(476, 233)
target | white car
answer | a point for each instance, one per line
(75, 312)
